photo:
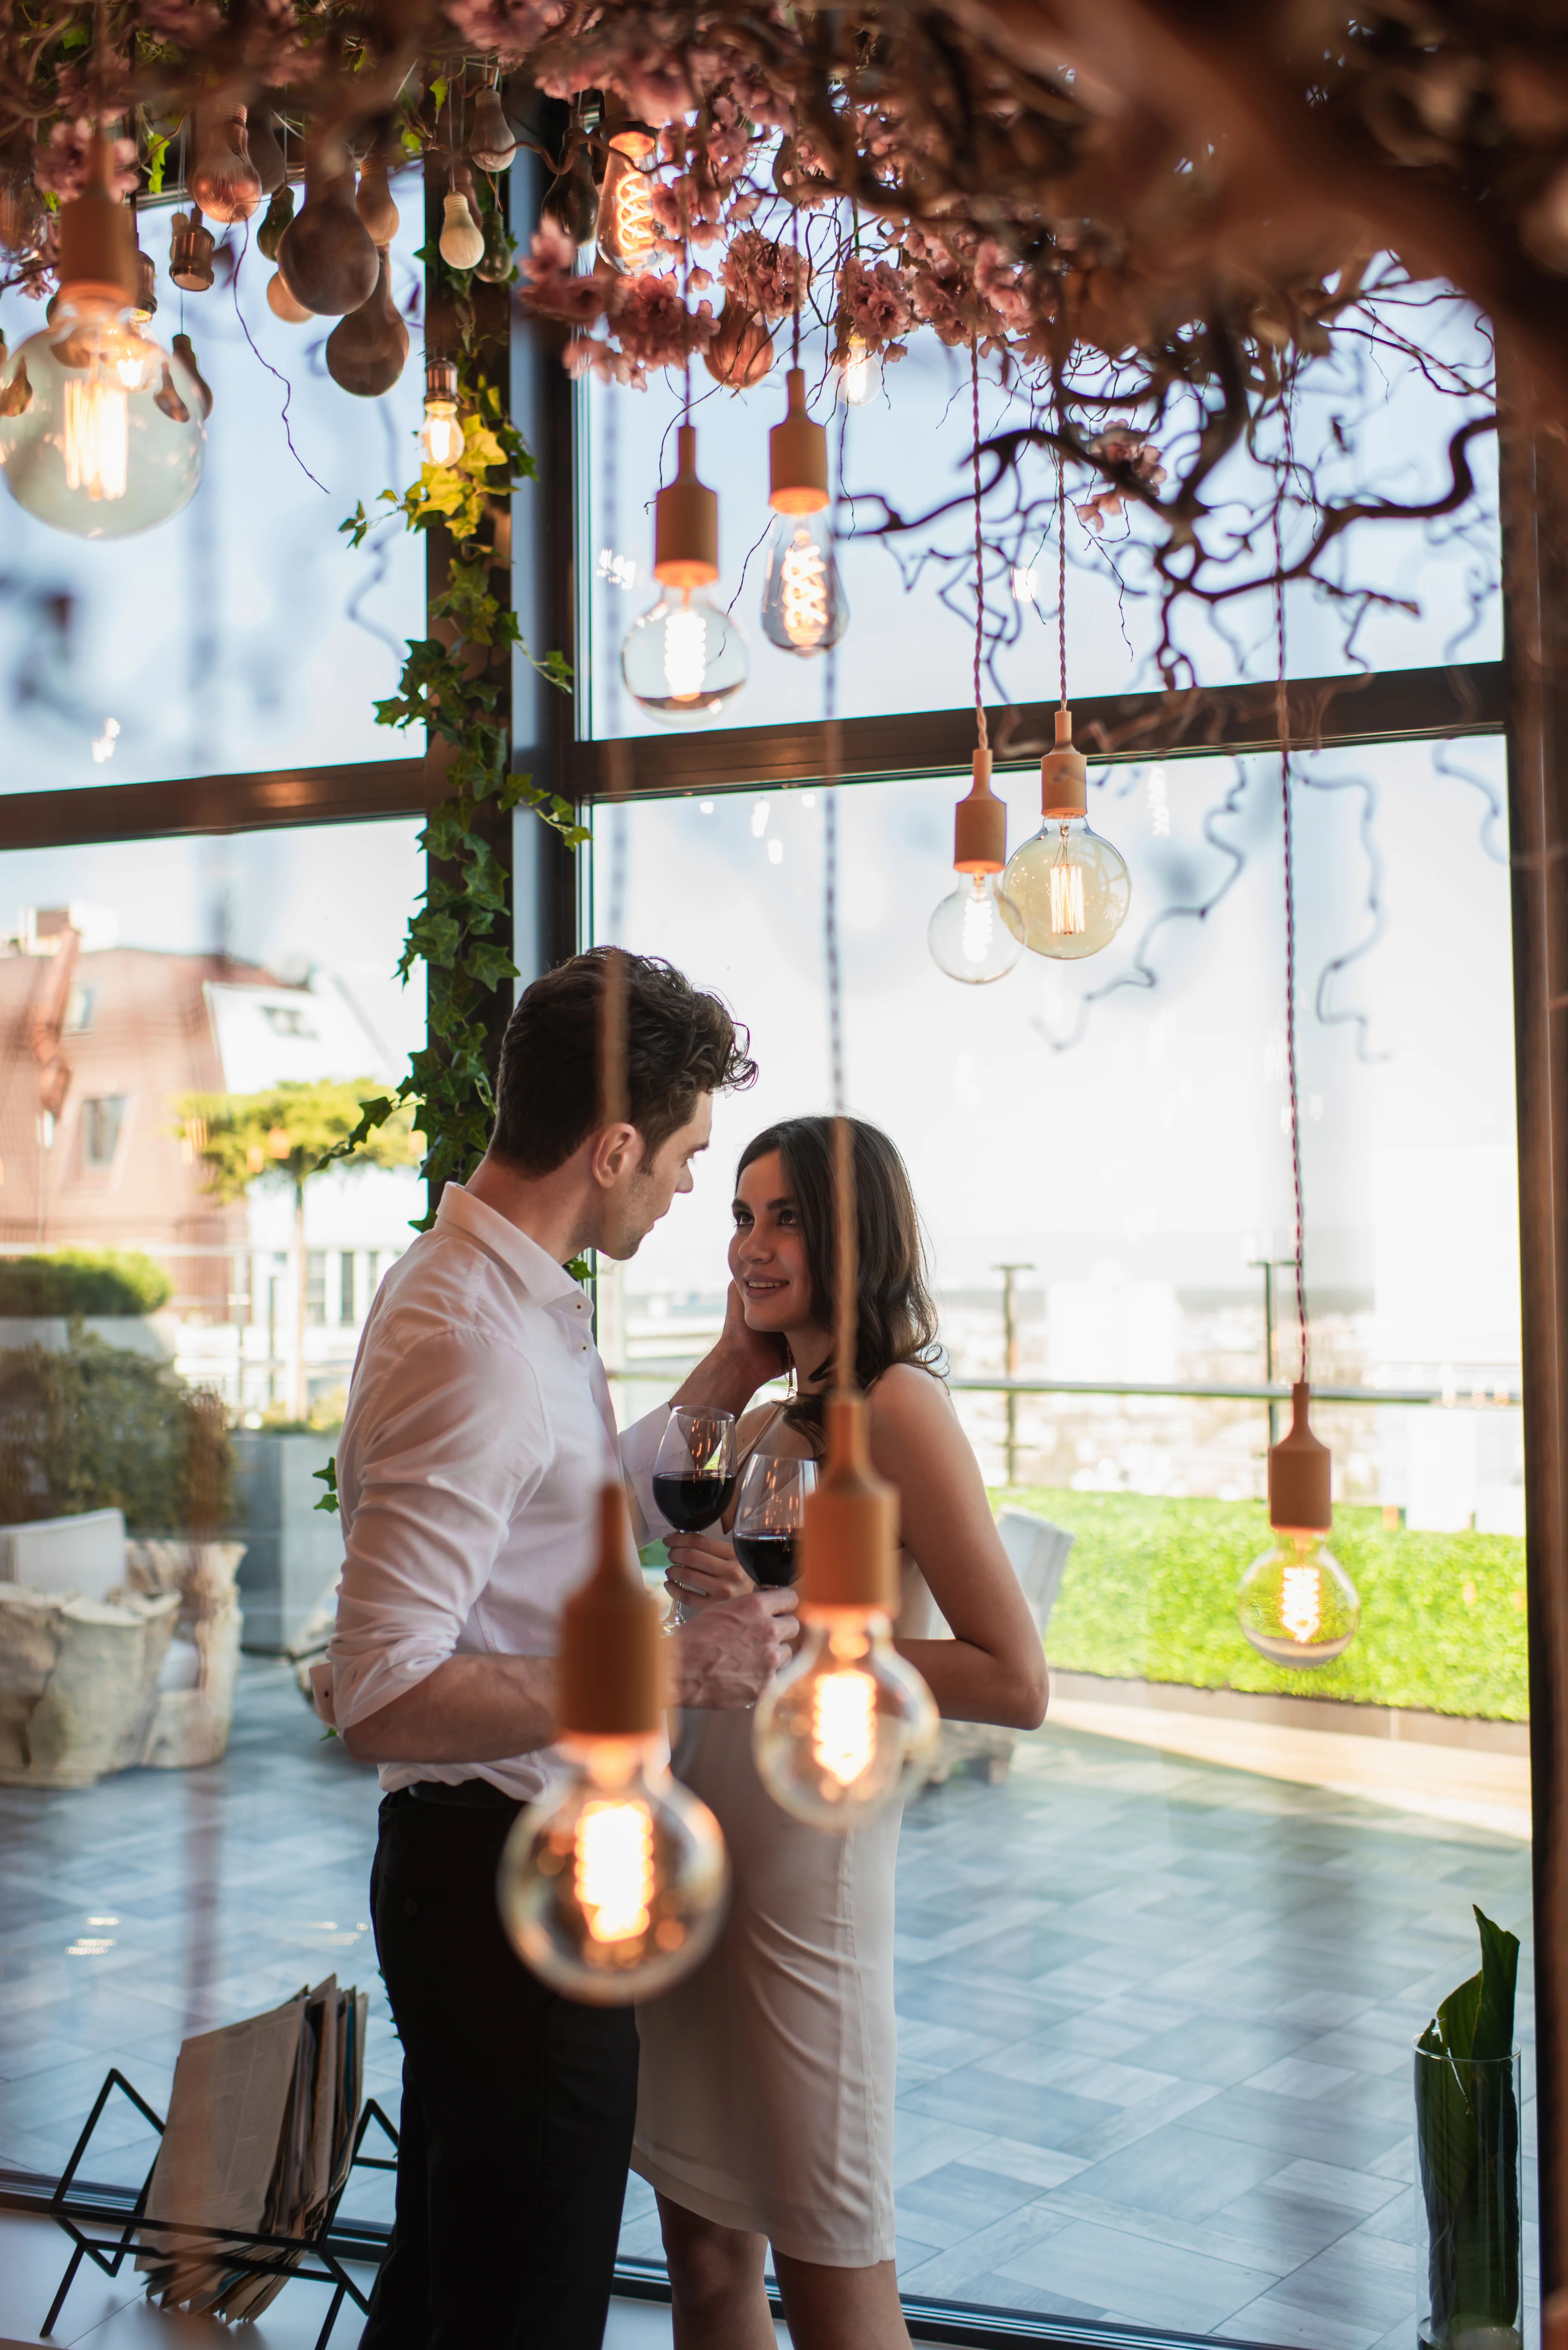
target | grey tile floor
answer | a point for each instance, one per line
(1155, 2016)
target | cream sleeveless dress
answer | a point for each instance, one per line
(766, 2093)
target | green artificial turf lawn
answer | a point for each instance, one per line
(1149, 1594)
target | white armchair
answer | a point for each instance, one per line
(1038, 1551)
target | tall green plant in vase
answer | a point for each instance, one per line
(1468, 2155)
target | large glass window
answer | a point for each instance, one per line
(906, 455)
(245, 635)
(1160, 1967)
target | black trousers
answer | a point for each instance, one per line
(517, 2113)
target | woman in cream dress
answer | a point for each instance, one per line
(765, 2103)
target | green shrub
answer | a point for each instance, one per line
(1149, 1594)
(95, 1428)
(83, 1281)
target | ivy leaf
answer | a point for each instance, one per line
(329, 1477)
(358, 524)
(490, 965)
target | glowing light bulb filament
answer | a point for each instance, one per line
(441, 440)
(844, 1725)
(97, 438)
(634, 224)
(978, 923)
(685, 652)
(614, 1869)
(803, 592)
(1301, 1603)
(1067, 918)
(858, 379)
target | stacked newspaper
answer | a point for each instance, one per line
(258, 2141)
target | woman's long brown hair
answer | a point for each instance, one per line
(897, 1321)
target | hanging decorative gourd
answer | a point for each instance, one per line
(281, 303)
(684, 659)
(87, 444)
(441, 435)
(326, 255)
(182, 350)
(742, 351)
(374, 202)
(280, 212)
(492, 143)
(190, 253)
(613, 1885)
(366, 350)
(496, 266)
(1071, 888)
(627, 232)
(265, 154)
(805, 609)
(572, 201)
(224, 181)
(462, 240)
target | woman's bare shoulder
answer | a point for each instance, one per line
(908, 1402)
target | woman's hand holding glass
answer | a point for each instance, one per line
(704, 1567)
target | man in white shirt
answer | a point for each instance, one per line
(478, 1430)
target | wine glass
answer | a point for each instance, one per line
(769, 1513)
(694, 1473)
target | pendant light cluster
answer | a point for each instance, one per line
(1296, 1605)
(684, 660)
(1064, 893)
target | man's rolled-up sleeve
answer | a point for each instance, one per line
(449, 1439)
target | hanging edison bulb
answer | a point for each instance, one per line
(847, 1725)
(1071, 887)
(805, 609)
(1296, 1604)
(627, 231)
(462, 240)
(683, 659)
(223, 180)
(441, 434)
(492, 143)
(977, 933)
(859, 371)
(614, 1884)
(101, 430)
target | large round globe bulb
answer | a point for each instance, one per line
(1296, 1604)
(101, 429)
(847, 1726)
(1071, 887)
(614, 1885)
(976, 934)
(684, 660)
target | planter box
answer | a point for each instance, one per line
(294, 1552)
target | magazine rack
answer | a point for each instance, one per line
(248, 2255)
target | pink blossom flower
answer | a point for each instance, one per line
(875, 300)
(59, 167)
(505, 28)
(654, 327)
(764, 275)
(549, 286)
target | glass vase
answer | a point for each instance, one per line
(1468, 2166)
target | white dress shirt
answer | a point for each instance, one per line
(479, 1431)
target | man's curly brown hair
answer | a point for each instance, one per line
(681, 1043)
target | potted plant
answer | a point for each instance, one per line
(1468, 2155)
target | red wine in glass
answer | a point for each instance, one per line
(768, 1558)
(691, 1500)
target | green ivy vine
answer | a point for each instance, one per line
(455, 686)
